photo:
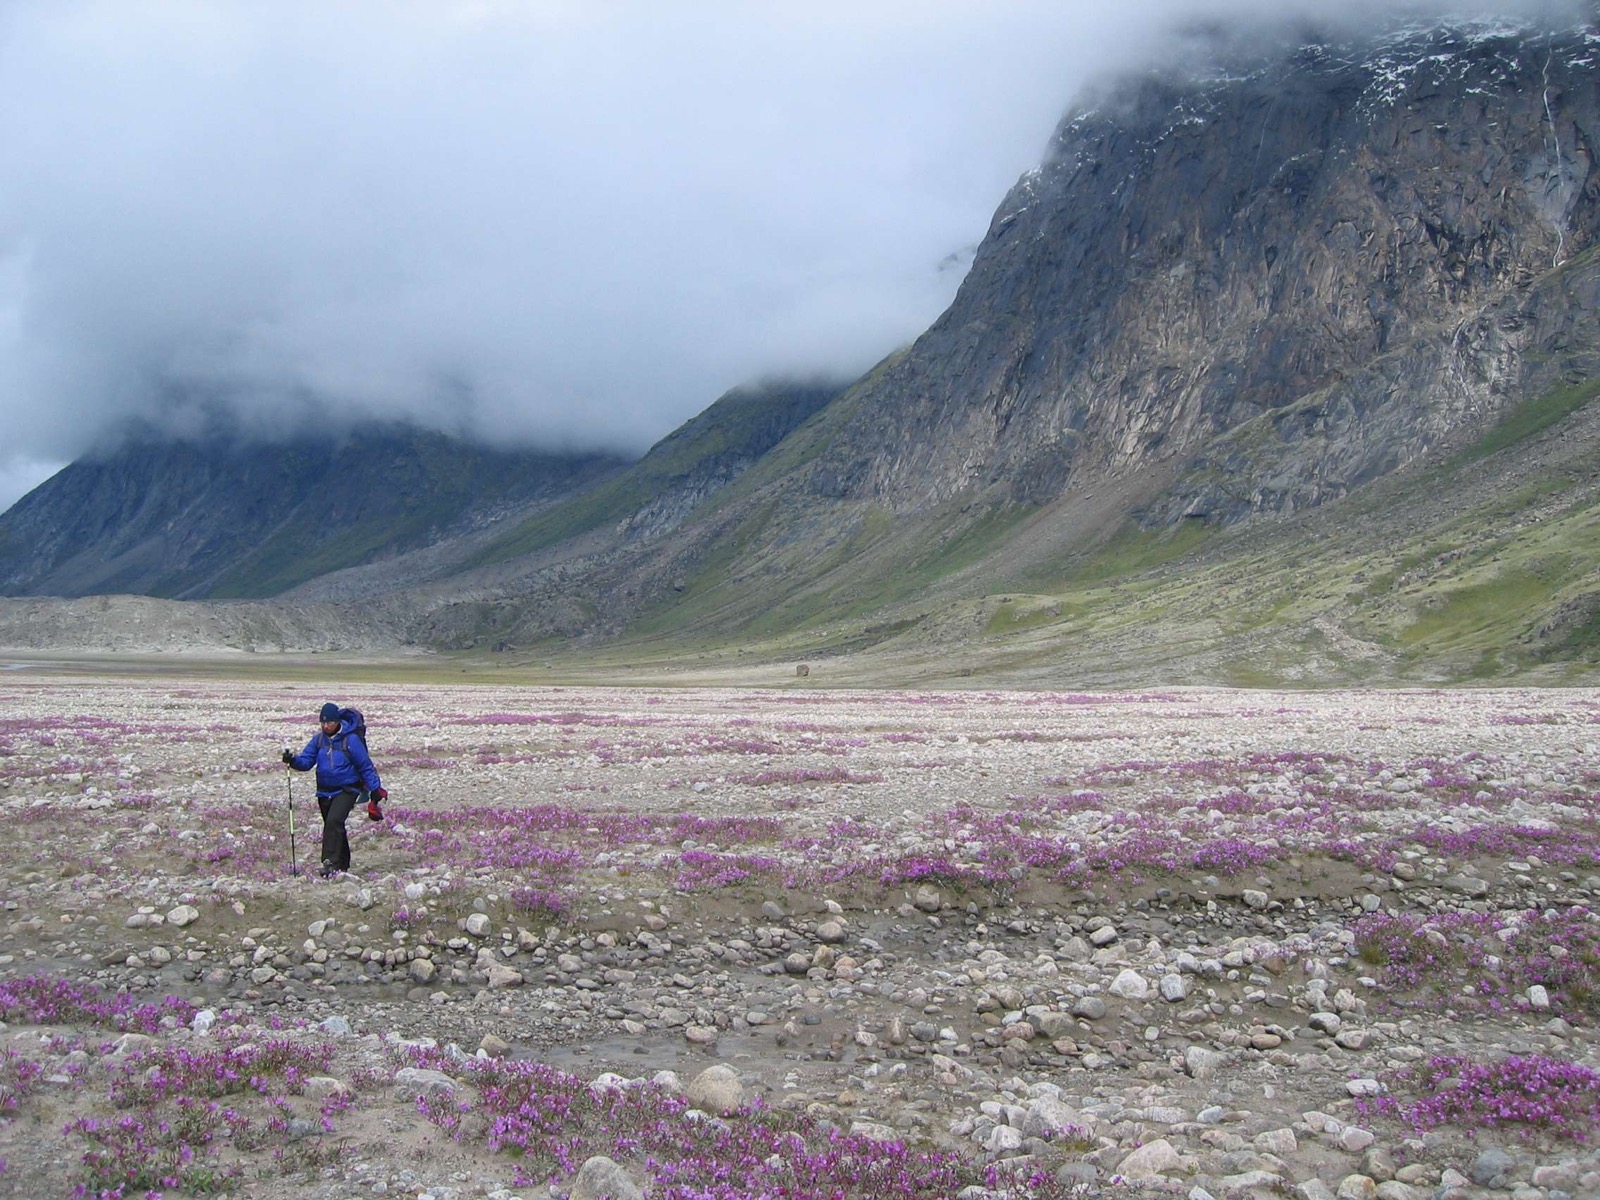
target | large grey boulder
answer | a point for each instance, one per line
(600, 1178)
(716, 1090)
(1152, 1158)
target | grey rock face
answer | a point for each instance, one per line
(1294, 321)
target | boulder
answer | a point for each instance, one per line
(1202, 1063)
(1280, 1142)
(412, 1082)
(716, 1090)
(601, 1178)
(1492, 1168)
(502, 976)
(1130, 985)
(1048, 1117)
(1152, 1158)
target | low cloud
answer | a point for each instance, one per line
(551, 222)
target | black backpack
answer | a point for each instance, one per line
(358, 724)
(357, 721)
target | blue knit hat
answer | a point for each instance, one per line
(330, 712)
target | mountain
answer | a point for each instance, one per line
(679, 473)
(221, 518)
(1279, 368)
(1312, 269)
(1227, 298)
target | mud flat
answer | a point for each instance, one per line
(1197, 942)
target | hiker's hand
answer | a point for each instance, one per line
(288, 758)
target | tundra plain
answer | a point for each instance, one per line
(796, 942)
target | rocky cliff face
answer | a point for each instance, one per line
(1362, 247)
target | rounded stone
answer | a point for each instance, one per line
(502, 976)
(1152, 1158)
(1050, 1117)
(716, 1090)
(1355, 1139)
(601, 1178)
(1281, 1142)
(1002, 1138)
(1130, 985)
(1327, 1022)
(1492, 1168)
(1202, 1063)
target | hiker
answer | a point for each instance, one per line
(345, 776)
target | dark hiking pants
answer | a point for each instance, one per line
(335, 841)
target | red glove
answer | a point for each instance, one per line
(374, 813)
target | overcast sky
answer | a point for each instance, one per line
(564, 222)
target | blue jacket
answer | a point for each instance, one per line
(341, 761)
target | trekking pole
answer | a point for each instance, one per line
(294, 858)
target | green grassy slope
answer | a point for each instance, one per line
(1484, 565)
(721, 441)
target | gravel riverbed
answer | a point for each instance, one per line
(1195, 942)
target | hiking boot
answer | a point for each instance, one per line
(328, 871)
